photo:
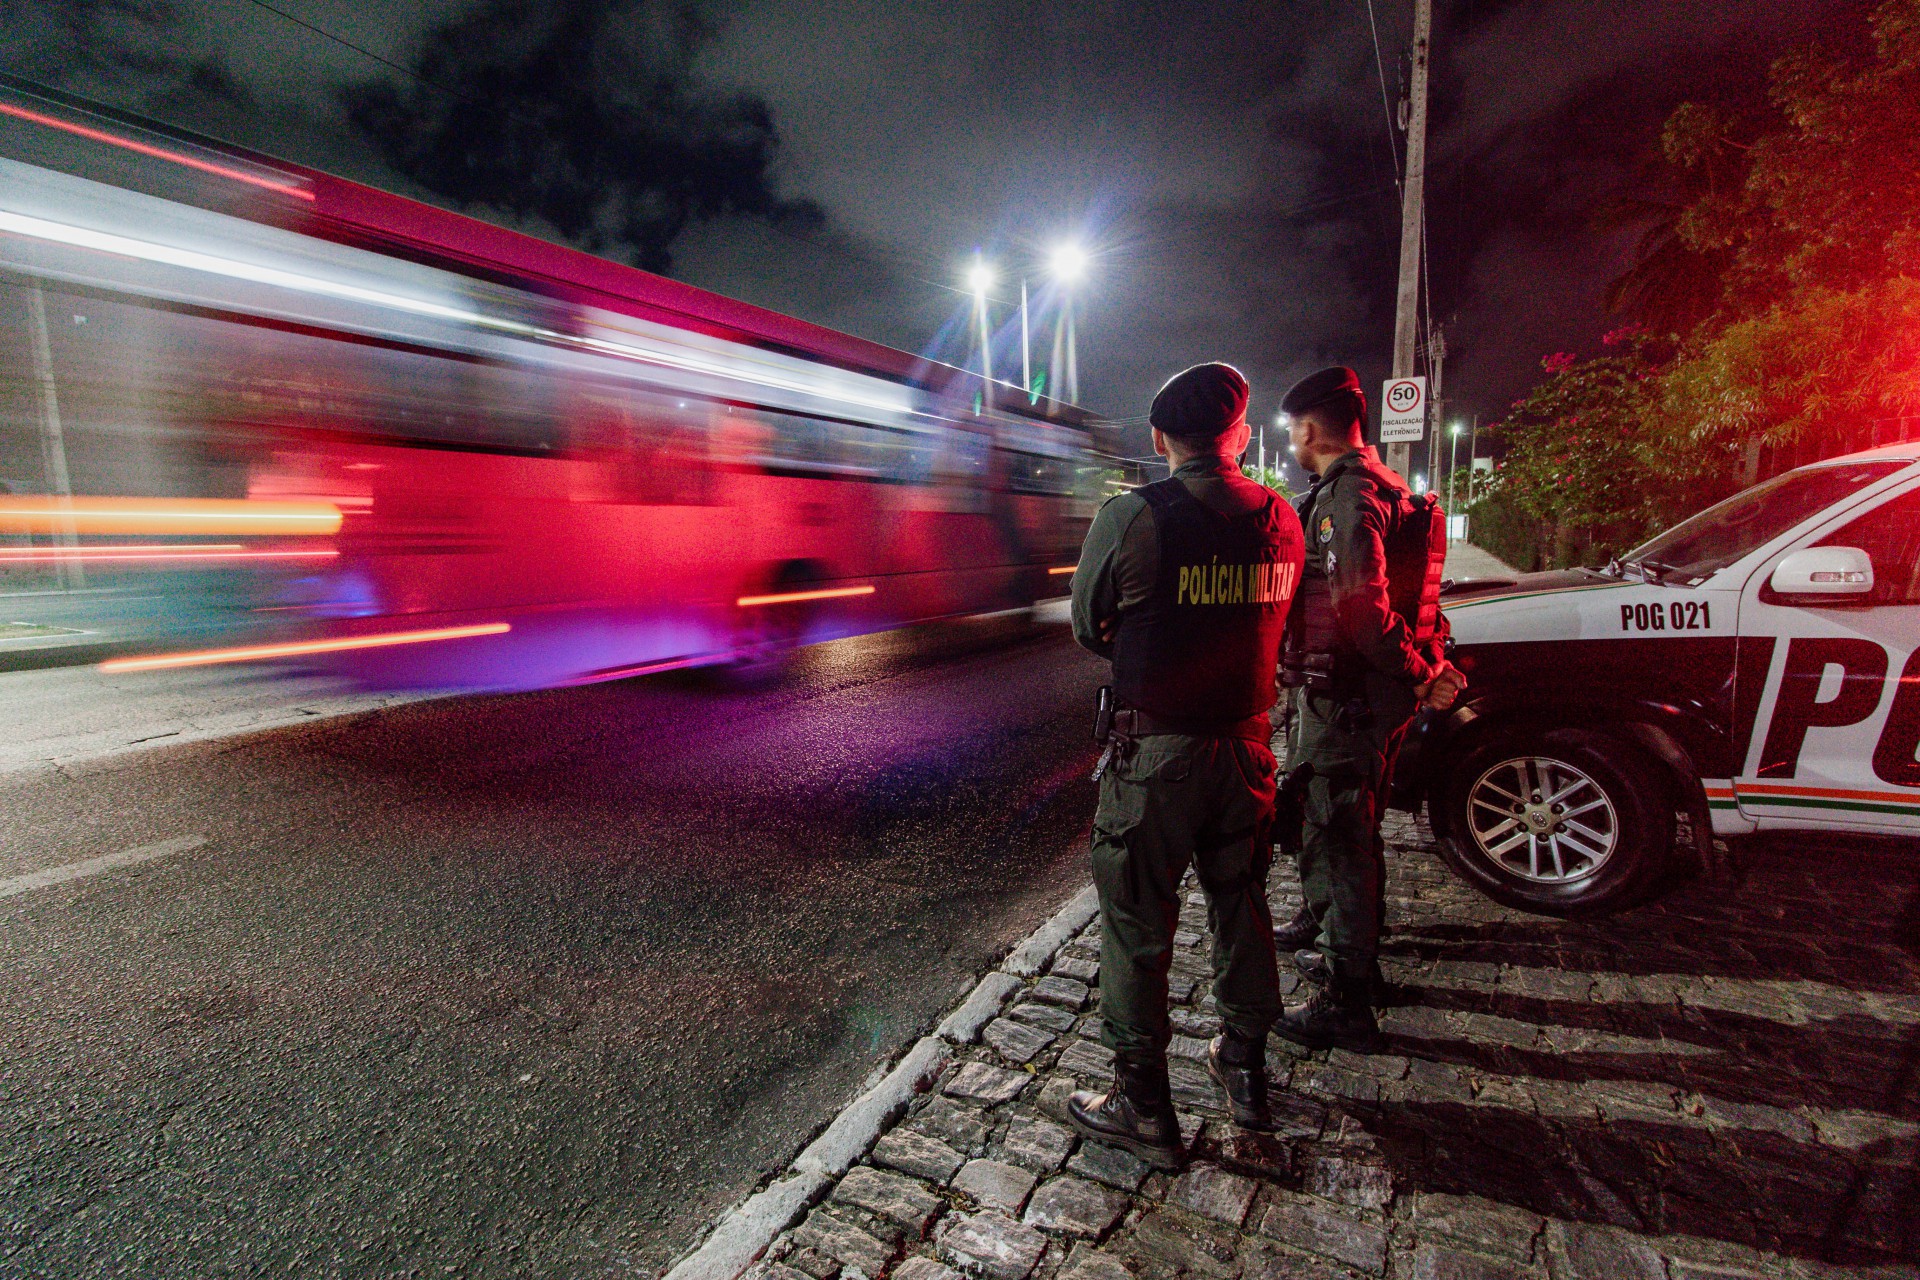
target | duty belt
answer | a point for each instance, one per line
(1131, 723)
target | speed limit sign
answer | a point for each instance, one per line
(1403, 410)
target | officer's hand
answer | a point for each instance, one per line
(1439, 693)
(1108, 629)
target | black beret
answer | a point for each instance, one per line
(1203, 402)
(1319, 388)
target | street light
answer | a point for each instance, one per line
(1067, 264)
(1453, 457)
(980, 278)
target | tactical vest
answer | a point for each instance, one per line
(1202, 649)
(1416, 553)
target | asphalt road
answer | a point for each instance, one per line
(509, 986)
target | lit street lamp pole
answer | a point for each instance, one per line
(980, 278)
(1067, 264)
(1453, 459)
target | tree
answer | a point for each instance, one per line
(1807, 220)
(1578, 462)
(581, 115)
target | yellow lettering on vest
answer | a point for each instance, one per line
(1186, 576)
(1240, 584)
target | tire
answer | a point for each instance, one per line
(766, 637)
(1608, 845)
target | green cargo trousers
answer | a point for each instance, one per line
(1351, 743)
(1167, 801)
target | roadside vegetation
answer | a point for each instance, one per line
(1771, 313)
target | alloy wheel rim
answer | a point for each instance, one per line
(1543, 820)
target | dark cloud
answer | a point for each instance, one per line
(1228, 162)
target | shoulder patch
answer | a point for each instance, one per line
(1324, 529)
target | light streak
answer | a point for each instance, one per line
(298, 648)
(794, 597)
(212, 551)
(256, 273)
(166, 515)
(159, 153)
(1062, 568)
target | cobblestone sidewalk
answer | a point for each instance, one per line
(1722, 1085)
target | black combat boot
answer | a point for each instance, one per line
(1336, 1016)
(1136, 1114)
(1314, 968)
(1301, 931)
(1239, 1066)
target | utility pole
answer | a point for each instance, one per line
(1073, 356)
(1406, 314)
(986, 353)
(1436, 400)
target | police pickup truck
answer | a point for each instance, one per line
(1754, 668)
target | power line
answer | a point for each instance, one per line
(1380, 70)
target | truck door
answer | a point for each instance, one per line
(1837, 734)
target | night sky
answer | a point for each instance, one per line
(1229, 165)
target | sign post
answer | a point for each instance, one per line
(1403, 410)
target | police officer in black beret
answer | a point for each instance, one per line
(1185, 584)
(1365, 649)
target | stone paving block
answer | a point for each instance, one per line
(917, 1154)
(781, 1271)
(1472, 974)
(1187, 937)
(1332, 1081)
(1260, 1262)
(1719, 1113)
(995, 1185)
(825, 1234)
(1438, 1082)
(1508, 1093)
(1432, 1262)
(989, 1244)
(1068, 993)
(1634, 1100)
(1191, 1022)
(1087, 1058)
(1074, 1206)
(1856, 1129)
(1111, 1165)
(890, 1196)
(1161, 1244)
(1303, 1222)
(924, 1269)
(1079, 967)
(1189, 1047)
(1192, 1086)
(1294, 1115)
(1088, 1263)
(1053, 1096)
(1582, 1252)
(1349, 1179)
(1258, 1155)
(1417, 1022)
(1037, 1144)
(1381, 1066)
(1052, 1017)
(962, 1127)
(1484, 1225)
(1212, 1192)
(1545, 984)
(1019, 1042)
(988, 1084)
(817, 1265)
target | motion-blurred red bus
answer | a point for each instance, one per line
(275, 414)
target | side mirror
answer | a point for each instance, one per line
(1824, 571)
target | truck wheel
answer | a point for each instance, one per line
(1566, 823)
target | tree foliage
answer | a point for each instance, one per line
(1779, 258)
(584, 116)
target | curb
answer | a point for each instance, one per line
(742, 1234)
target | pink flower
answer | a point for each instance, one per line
(1559, 362)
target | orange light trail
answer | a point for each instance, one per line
(158, 153)
(299, 648)
(123, 516)
(1062, 568)
(793, 597)
(204, 551)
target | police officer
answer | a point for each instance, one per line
(1365, 649)
(1185, 584)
